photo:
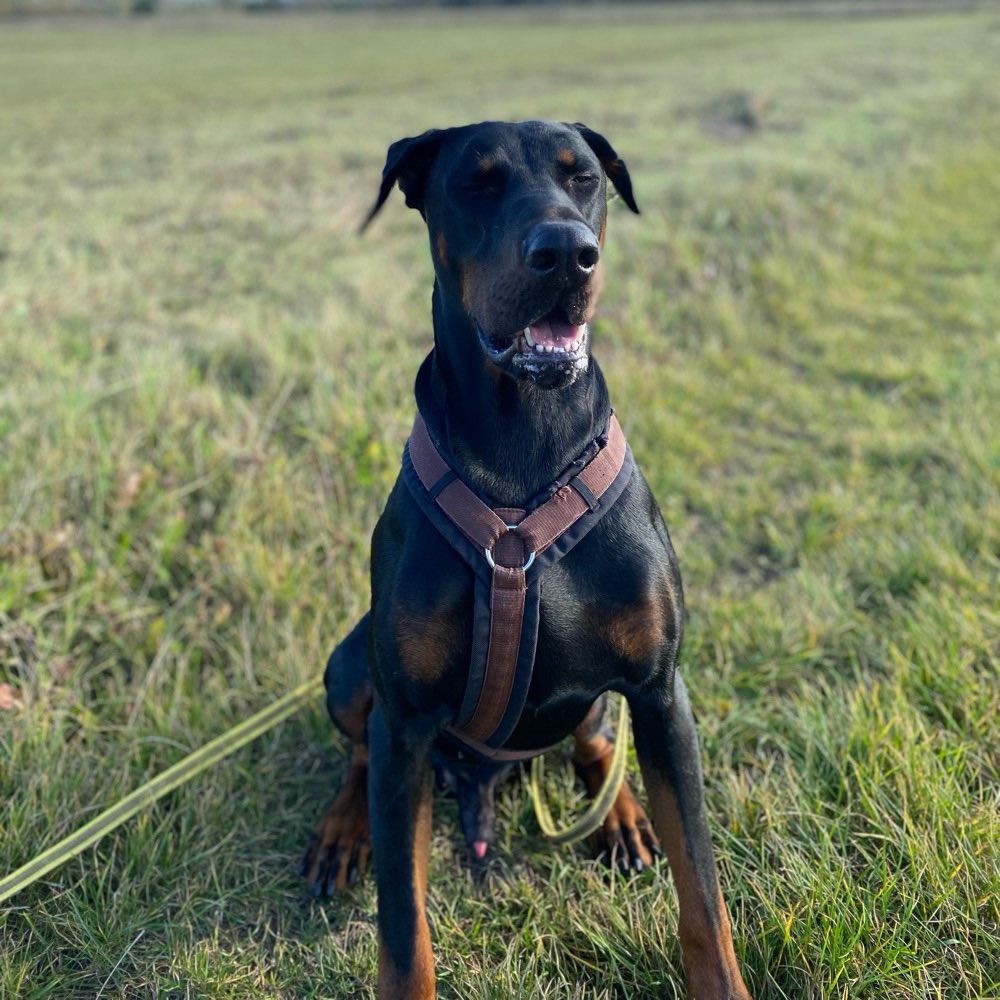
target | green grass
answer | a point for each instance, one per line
(205, 382)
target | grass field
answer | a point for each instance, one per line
(205, 383)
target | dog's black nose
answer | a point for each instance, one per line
(563, 248)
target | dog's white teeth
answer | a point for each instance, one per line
(570, 348)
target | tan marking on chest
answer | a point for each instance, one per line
(636, 632)
(427, 644)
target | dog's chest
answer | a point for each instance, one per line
(512, 554)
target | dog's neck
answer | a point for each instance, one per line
(508, 438)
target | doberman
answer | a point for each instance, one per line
(512, 395)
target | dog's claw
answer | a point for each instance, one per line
(626, 842)
(338, 849)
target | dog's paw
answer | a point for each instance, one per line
(626, 841)
(717, 983)
(339, 847)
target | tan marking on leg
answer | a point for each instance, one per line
(626, 825)
(341, 835)
(418, 985)
(418, 982)
(590, 751)
(353, 717)
(421, 852)
(706, 943)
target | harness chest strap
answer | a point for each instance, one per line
(508, 541)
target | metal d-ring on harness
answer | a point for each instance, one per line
(518, 545)
(492, 563)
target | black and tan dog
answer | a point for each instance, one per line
(514, 407)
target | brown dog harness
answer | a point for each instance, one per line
(507, 549)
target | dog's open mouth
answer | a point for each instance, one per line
(552, 337)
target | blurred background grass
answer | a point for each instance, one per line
(205, 382)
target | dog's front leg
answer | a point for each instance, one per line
(667, 747)
(399, 795)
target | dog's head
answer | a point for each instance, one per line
(516, 216)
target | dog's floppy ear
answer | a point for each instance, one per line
(408, 162)
(613, 166)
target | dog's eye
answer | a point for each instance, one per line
(483, 184)
(584, 181)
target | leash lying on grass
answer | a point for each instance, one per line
(246, 732)
(173, 777)
(600, 805)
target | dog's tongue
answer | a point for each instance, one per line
(554, 331)
(479, 849)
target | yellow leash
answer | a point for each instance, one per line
(600, 805)
(246, 732)
(194, 763)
